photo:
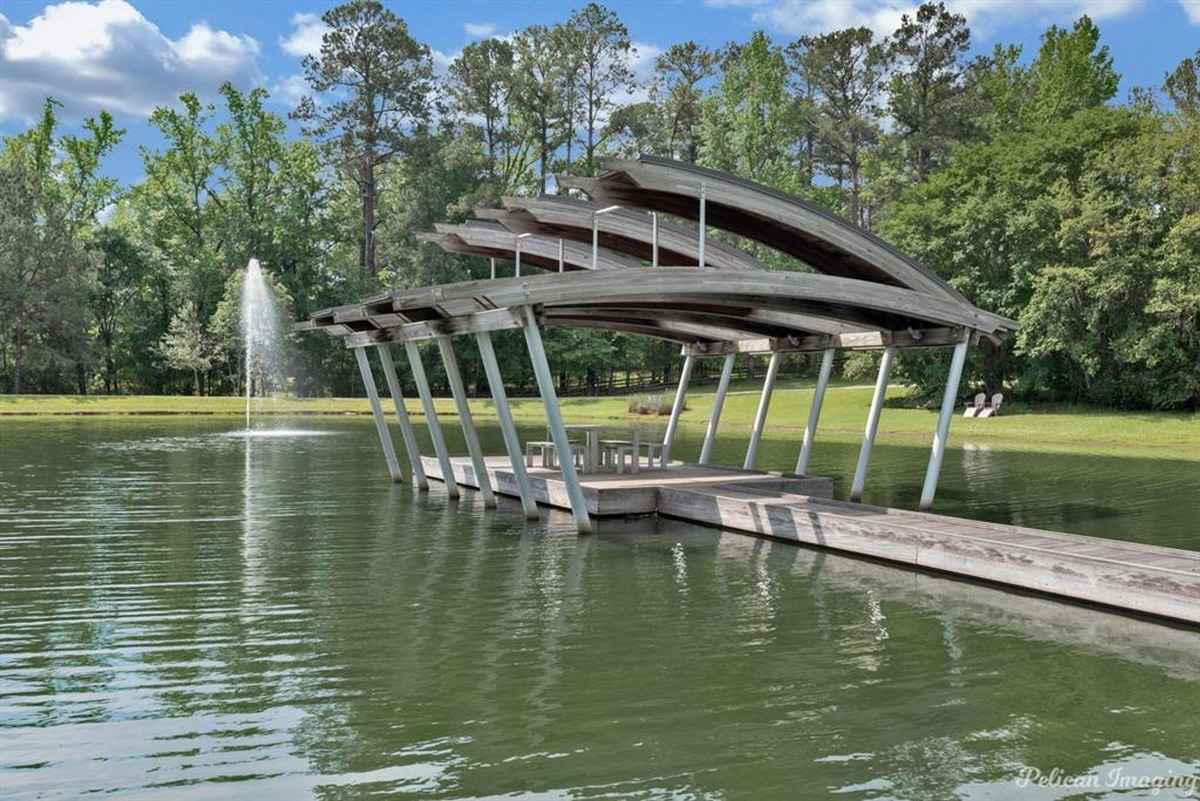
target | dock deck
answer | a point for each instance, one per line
(1146, 579)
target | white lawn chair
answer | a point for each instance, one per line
(974, 409)
(994, 409)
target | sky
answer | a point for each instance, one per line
(129, 56)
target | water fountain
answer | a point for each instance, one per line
(261, 334)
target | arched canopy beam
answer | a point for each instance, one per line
(626, 231)
(687, 304)
(494, 241)
(823, 241)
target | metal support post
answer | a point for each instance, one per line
(431, 418)
(714, 418)
(512, 443)
(545, 380)
(454, 377)
(406, 428)
(685, 375)
(814, 412)
(864, 454)
(760, 417)
(943, 426)
(385, 437)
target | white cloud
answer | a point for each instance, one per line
(797, 17)
(93, 55)
(442, 60)
(1192, 9)
(288, 91)
(479, 30)
(306, 35)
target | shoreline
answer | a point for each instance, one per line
(1045, 429)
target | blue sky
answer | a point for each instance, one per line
(130, 55)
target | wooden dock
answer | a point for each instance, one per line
(615, 494)
(1134, 577)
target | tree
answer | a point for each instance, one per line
(749, 122)
(538, 95)
(1071, 73)
(927, 88)
(119, 272)
(603, 48)
(178, 201)
(679, 73)
(251, 149)
(373, 84)
(1182, 85)
(847, 69)
(481, 83)
(50, 193)
(187, 345)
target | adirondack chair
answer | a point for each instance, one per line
(994, 409)
(974, 409)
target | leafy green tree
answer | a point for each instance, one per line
(187, 345)
(749, 121)
(602, 48)
(678, 91)
(538, 93)
(927, 90)
(51, 190)
(120, 270)
(1071, 72)
(481, 82)
(373, 84)
(847, 68)
(1182, 85)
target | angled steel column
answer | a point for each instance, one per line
(431, 418)
(814, 412)
(714, 417)
(541, 369)
(760, 418)
(864, 454)
(512, 443)
(454, 377)
(385, 437)
(943, 427)
(685, 375)
(406, 429)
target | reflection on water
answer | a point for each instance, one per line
(184, 614)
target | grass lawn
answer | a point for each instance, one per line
(1076, 429)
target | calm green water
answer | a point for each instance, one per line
(185, 614)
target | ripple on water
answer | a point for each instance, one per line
(183, 616)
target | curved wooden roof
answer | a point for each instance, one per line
(688, 305)
(825, 242)
(625, 231)
(495, 241)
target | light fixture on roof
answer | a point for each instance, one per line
(596, 232)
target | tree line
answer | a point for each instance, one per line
(1019, 177)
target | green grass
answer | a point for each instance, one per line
(1050, 428)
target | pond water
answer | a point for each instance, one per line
(188, 614)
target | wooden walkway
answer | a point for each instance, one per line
(1134, 577)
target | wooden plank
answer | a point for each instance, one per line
(493, 320)
(820, 239)
(627, 231)
(1116, 575)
